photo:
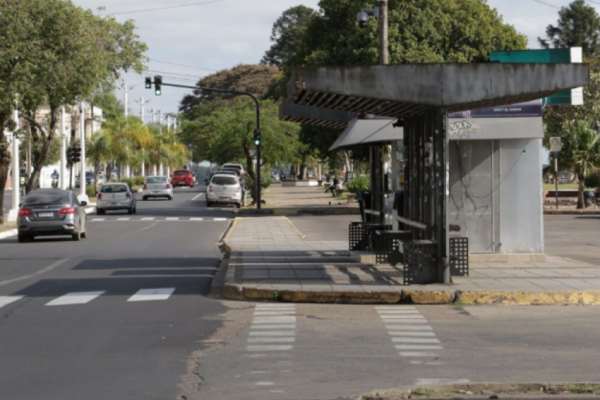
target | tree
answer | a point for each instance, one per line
(580, 151)
(287, 34)
(259, 80)
(70, 52)
(578, 26)
(98, 151)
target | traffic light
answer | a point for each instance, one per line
(70, 155)
(148, 82)
(76, 154)
(257, 137)
(157, 84)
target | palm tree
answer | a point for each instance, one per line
(98, 151)
(580, 152)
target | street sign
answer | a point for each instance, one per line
(555, 144)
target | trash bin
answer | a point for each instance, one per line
(589, 197)
(363, 198)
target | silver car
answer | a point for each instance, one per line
(115, 196)
(224, 189)
(157, 186)
(51, 212)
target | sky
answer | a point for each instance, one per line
(220, 34)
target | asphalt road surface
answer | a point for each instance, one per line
(116, 315)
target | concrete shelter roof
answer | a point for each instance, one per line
(314, 115)
(412, 89)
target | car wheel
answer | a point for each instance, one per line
(209, 204)
(84, 235)
(145, 198)
(76, 236)
(22, 238)
(100, 212)
(135, 210)
(191, 186)
(238, 205)
(170, 198)
(130, 210)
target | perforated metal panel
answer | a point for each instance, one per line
(418, 256)
(358, 239)
(388, 246)
(459, 256)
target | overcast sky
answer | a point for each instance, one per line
(222, 34)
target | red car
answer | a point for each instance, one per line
(182, 177)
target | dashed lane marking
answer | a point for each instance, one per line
(6, 300)
(75, 298)
(152, 294)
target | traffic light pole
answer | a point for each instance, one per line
(257, 131)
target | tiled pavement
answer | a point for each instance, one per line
(270, 253)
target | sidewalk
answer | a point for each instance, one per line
(301, 200)
(272, 260)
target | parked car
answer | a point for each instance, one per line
(182, 177)
(238, 167)
(115, 196)
(224, 188)
(50, 212)
(89, 179)
(157, 186)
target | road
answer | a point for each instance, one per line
(84, 319)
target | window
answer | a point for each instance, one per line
(157, 179)
(113, 189)
(46, 198)
(181, 172)
(224, 180)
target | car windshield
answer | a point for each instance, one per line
(89, 174)
(181, 173)
(113, 189)
(224, 180)
(47, 198)
(156, 179)
(232, 166)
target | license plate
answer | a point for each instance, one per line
(223, 198)
(155, 192)
(46, 215)
(112, 204)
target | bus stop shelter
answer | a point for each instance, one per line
(420, 96)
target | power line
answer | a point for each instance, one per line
(154, 71)
(165, 8)
(547, 4)
(183, 65)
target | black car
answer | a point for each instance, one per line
(89, 179)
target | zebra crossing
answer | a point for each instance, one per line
(71, 298)
(156, 219)
(410, 333)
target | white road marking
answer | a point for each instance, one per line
(273, 333)
(197, 197)
(408, 327)
(269, 347)
(41, 271)
(397, 312)
(264, 384)
(152, 294)
(196, 219)
(291, 312)
(417, 347)
(172, 219)
(123, 219)
(6, 300)
(98, 219)
(414, 340)
(281, 326)
(270, 320)
(271, 340)
(395, 317)
(394, 308)
(219, 219)
(148, 219)
(405, 321)
(258, 372)
(417, 354)
(395, 333)
(258, 306)
(75, 298)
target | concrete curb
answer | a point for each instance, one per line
(338, 210)
(8, 234)
(240, 291)
(571, 212)
(303, 237)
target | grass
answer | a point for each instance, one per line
(564, 186)
(7, 226)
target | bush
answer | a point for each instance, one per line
(129, 181)
(90, 190)
(591, 181)
(139, 180)
(358, 184)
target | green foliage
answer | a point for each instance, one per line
(287, 34)
(578, 26)
(129, 181)
(357, 184)
(139, 180)
(591, 181)
(90, 190)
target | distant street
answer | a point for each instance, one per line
(116, 315)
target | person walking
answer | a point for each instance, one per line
(333, 187)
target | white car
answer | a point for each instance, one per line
(157, 186)
(237, 167)
(115, 196)
(224, 189)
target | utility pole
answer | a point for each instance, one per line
(153, 116)
(16, 191)
(82, 145)
(383, 32)
(125, 89)
(63, 149)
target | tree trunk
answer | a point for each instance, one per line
(347, 161)
(5, 160)
(109, 169)
(304, 168)
(251, 172)
(580, 202)
(38, 162)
